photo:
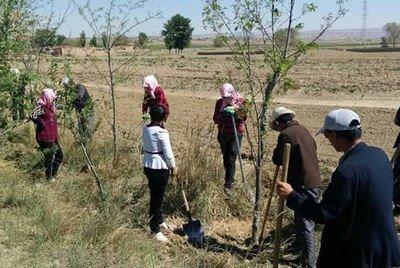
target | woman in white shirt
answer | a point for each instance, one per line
(159, 164)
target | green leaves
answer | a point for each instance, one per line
(177, 32)
(287, 84)
(309, 8)
(45, 38)
(82, 39)
(142, 40)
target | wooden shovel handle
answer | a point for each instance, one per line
(268, 206)
(285, 167)
(286, 158)
(185, 201)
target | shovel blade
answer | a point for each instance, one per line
(194, 233)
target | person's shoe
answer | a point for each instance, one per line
(396, 211)
(165, 226)
(84, 169)
(161, 238)
(228, 191)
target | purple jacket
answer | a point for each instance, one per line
(46, 125)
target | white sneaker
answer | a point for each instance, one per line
(162, 238)
(165, 226)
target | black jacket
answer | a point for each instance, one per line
(82, 97)
(397, 122)
(356, 210)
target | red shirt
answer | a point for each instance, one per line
(160, 99)
(224, 120)
(46, 126)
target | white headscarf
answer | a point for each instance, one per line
(227, 90)
(47, 98)
(150, 84)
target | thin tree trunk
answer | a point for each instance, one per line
(257, 207)
(260, 153)
(114, 118)
(96, 176)
(288, 36)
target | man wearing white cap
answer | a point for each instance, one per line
(356, 208)
(303, 175)
(83, 104)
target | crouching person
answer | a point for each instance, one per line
(159, 164)
(44, 117)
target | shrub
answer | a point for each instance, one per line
(220, 41)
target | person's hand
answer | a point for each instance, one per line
(230, 110)
(242, 113)
(172, 172)
(283, 189)
(146, 117)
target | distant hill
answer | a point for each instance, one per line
(345, 34)
(331, 35)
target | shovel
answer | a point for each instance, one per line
(248, 191)
(193, 228)
(281, 207)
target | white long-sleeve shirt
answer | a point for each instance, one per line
(157, 148)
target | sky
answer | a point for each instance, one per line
(379, 13)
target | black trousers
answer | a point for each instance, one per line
(396, 176)
(158, 179)
(86, 125)
(53, 157)
(229, 151)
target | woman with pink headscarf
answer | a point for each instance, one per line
(153, 95)
(44, 117)
(226, 108)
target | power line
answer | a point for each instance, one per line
(364, 24)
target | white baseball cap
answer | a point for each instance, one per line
(279, 112)
(15, 71)
(341, 120)
(65, 81)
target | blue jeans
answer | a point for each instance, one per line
(304, 228)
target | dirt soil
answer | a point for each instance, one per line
(367, 83)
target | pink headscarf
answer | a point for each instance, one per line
(150, 84)
(227, 90)
(47, 98)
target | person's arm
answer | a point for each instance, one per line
(334, 201)
(216, 117)
(163, 136)
(36, 113)
(397, 117)
(80, 100)
(277, 157)
(161, 99)
(145, 104)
